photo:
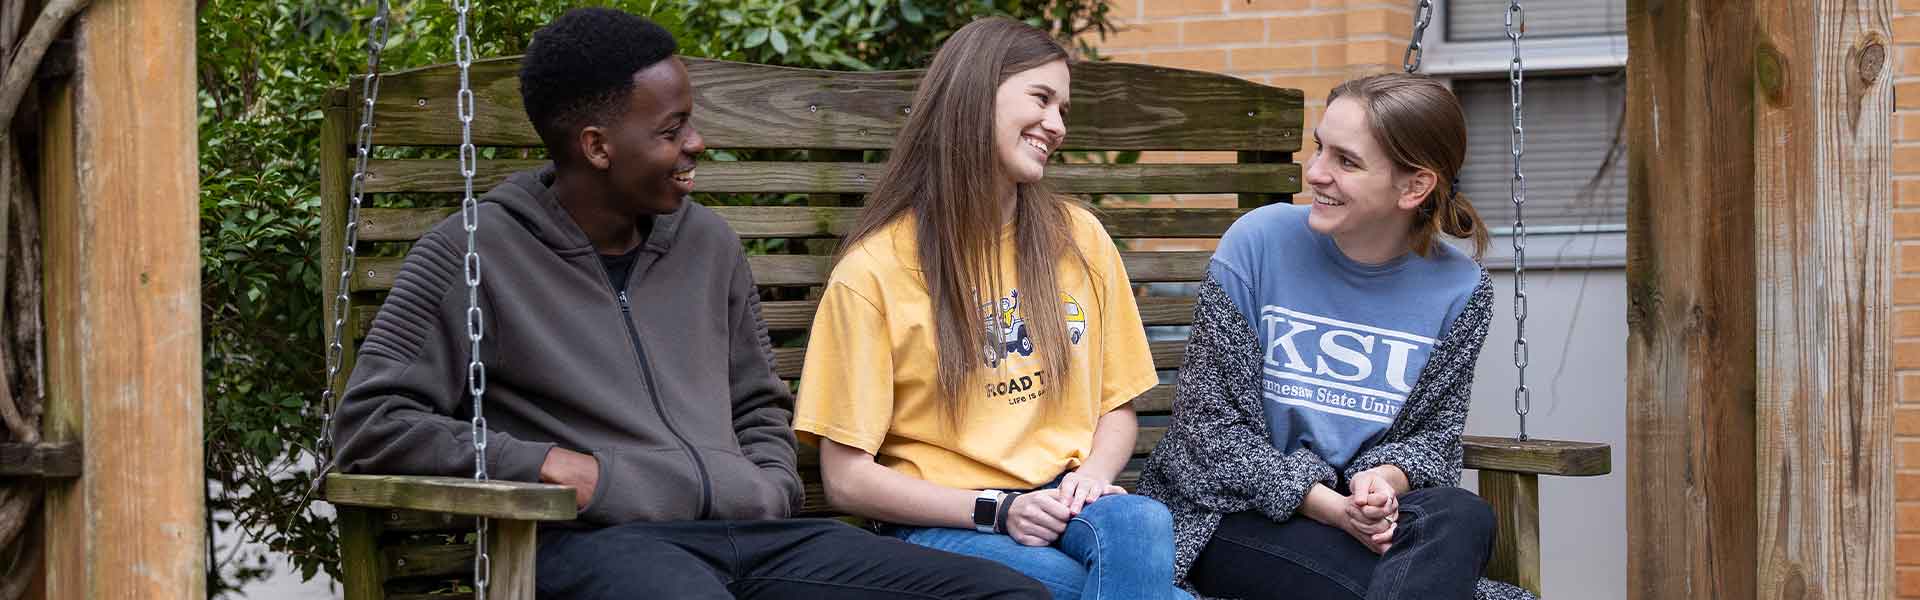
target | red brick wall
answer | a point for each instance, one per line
(1906, 296)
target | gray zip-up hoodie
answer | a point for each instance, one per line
(668, 383)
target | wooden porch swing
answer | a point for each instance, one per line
(407, 536)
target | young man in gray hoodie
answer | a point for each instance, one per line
(626, 358)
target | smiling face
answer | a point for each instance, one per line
(651, 152)
(1358, 193)
(1030, 120)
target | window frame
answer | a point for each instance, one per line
(1557, 55)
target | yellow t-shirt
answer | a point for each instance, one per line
(871, 380)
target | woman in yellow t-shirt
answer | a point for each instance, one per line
(977, 347)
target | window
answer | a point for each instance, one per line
(1575, 54)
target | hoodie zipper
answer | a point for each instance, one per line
(646, 373)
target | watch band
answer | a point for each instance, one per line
(1000, 515)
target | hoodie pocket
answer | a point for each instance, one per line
(643, 485)
(744, 491)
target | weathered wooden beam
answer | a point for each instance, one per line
(844, 177)
(757, 222)
(493, 498)
(511, 551)
(1537, 456)
(121, 206)
(1823, 97)
(1690, 299)
(362, 567)
(1116, 106)
(373, 273)
(1515, 498)
(51, 461)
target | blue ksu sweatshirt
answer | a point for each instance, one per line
(1344, 341)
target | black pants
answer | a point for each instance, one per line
(816, 558)
(1440, 547)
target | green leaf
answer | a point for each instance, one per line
(911, 12)
(779, 42)
(755, 38)
(732, 17)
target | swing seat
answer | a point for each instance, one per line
(405, 537)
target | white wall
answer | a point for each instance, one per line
(1577, 340)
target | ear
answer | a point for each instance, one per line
(1419, 184)
(596, 147)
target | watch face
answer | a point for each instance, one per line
(983, 509)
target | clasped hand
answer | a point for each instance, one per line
(1038, 518)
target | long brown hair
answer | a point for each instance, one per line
(1420, 125)
(944, 174)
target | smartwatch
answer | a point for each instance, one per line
(986, 509)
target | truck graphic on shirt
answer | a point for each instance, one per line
(1009, 334)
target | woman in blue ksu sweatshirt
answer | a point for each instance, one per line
(1315, 444)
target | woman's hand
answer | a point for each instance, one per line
(1037, 519)
(1077, 489)
(1373, 509)
(1332, 509)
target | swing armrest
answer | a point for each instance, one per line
(1537, 457)
(494, 498)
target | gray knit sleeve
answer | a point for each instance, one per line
(1425, 441)
(1217, 454)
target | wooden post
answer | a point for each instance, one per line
(337, 156)
(363, 570)
(1515, 498)
(1823, 95)
(123, 308)
(1690, 305)
(511, 549)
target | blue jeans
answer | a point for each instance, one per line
(1117, 548)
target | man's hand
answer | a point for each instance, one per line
(572, 469)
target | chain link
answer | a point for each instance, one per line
(356, 194)
(476, 321)
(1422, 18)
(1517, 186)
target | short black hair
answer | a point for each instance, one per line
(579, 69)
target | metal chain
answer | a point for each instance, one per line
(470, 218)
(1516, 76)
(1422, 18)
(356, 193)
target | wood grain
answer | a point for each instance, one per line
(511, 551)
(777, 177)
(1515, 498)
(363, 569)
(123, 297)
(50, 461)
(495, 498)
(1117, 106)
(1823, 94)
(1690, 305)
(762, 222)
(1538, 456)
(377, 273)
(336, 173)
